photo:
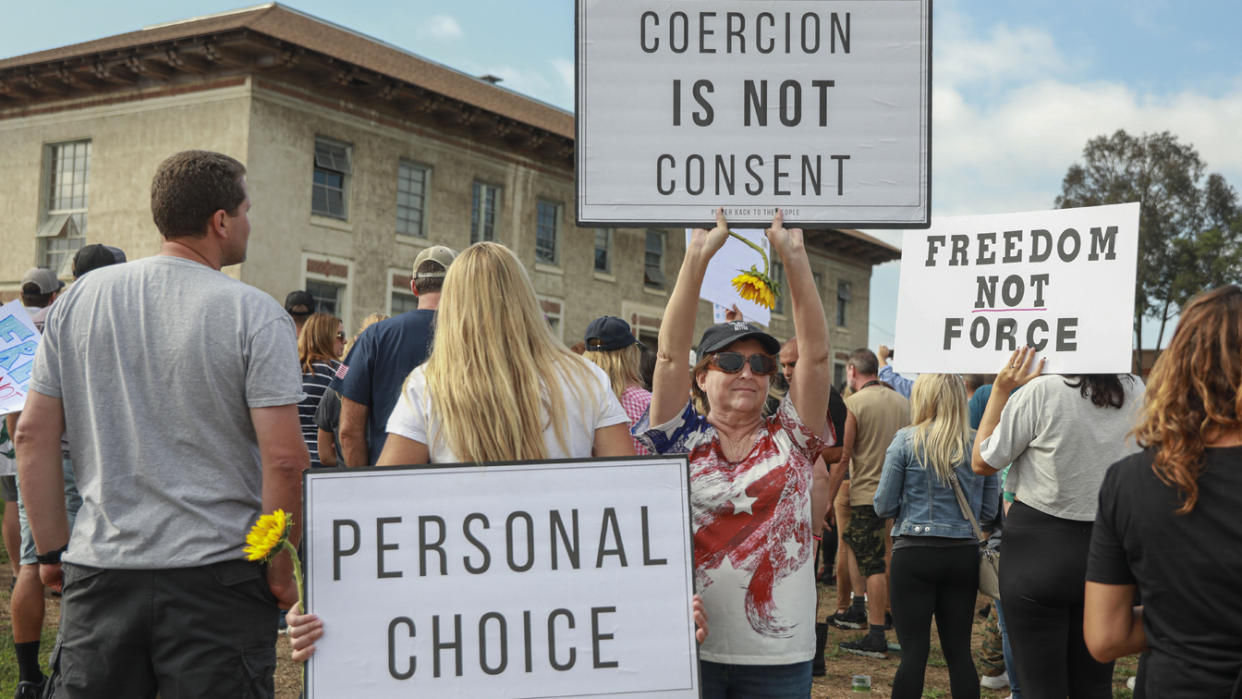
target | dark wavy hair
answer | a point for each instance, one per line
(1195, 390)
(1104, 390)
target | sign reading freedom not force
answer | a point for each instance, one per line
(821, 107)
(975, 288)
(548, 579)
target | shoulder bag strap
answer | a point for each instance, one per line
(966, 511)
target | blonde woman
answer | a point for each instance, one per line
(610, 344)
(320, 343)
(935, 570)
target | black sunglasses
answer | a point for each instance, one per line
(732, 363)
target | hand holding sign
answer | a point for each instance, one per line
(1017, 371)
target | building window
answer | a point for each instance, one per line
(411, 198)
(553, 311)
(653, 274)
(483, 212)
(547, 238)
(63, 230)
(778, 278)
(402, 302)
(603, 250)
(328, 296)
(843, 300)
(332, 168)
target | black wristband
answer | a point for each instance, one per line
(51, 557)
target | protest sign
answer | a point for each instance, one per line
(19, 340)
(822, 108)
(974, 288)
(550, 579)
(733, 257)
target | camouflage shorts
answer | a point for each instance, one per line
(865, 536)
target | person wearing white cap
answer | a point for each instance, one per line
(369, 381)
(40, 287)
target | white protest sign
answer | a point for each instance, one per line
(19, 340)
(974, 288)
(550, 579)
(733, 257)
(821, 107)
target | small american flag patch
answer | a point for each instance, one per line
(341, 371)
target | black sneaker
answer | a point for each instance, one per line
(850, 619)
(868, 645)
(29, 690)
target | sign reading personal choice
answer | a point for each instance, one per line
(974, 288)
(19, 340)
(821, 107)
(549, 579)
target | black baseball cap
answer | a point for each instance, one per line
(721, 335)
(94, 256)
(300, 303)
(608, 333)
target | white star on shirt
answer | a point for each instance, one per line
(725, 568)
(742, 503)
(791, 549)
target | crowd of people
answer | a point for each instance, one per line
(171, 404)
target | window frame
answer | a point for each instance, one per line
(557, 212)
(329, 162)
(478, 210)
(608, 238)
(659, 282)
(844, 296)
(426, 171)
(63, 221)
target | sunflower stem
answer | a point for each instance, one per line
(297, 574)
(758, 249)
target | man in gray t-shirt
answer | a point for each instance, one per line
(178, 387)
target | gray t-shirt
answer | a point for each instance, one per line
(159, 362)
(1060, 444)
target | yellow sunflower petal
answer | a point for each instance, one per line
(267, 535)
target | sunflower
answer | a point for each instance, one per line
(755, 286)
(266, 539)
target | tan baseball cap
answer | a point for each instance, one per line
(438, 254)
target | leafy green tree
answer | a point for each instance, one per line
(1190, 234)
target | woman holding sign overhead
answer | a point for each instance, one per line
(1060, 433)
(498, 386)
(750, 487)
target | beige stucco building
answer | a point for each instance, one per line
(359, 156)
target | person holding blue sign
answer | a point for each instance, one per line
(750, 474)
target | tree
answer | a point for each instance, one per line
(1190, 236)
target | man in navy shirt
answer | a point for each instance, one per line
(370, 380)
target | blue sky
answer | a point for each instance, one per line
(1019, 86)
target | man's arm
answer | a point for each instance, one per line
(284, 456)
(354, 432)
(36, 438)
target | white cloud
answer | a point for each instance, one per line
(442, 27)
(565, 69)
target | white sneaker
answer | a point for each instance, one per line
(998, 682)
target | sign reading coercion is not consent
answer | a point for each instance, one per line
(974, 288)
(822, 108)
(550, 579)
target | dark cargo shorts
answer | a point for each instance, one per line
(865, 536)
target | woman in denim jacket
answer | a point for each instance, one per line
(935, 569)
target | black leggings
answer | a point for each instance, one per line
(1043, 568)
(944, 582)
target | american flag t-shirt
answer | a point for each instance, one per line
(753, 549)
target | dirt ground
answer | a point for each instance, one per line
(837, 683)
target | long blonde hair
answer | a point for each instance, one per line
(495, 367)
(941, 422)
(317, 341)
(621, 366)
